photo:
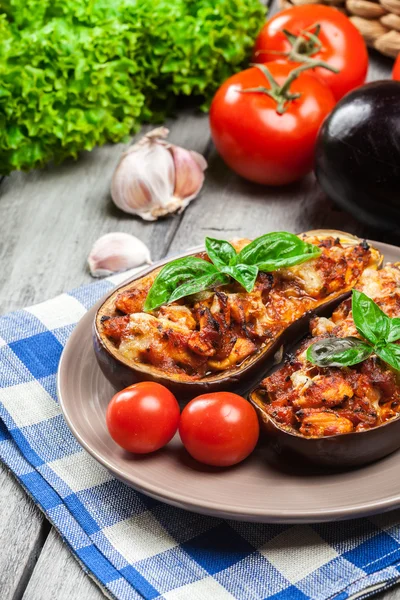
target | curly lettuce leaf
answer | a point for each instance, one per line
(75, 75)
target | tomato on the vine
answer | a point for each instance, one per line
(321, 33)
(267, 139)
(219, 429)
(396, 69)
(143, 417)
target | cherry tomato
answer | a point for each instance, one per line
(396, 69)
(338, 43)
(254, 139)
(219, 429)
(143, 417)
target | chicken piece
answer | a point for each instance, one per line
(240, 243)
(115, 327)
(321, 424)
(161, 343)
(387, 412)
(279, 383)
(242, 348)
(215, 337)
(323, 391)
(284, 415)
(263, 286)
(365, 389)
(131, 301)
(205, 341)
(251, 315)
(178, 314)
(220, 310)
(321, 326)
(380, 376)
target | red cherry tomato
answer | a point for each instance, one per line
(219, 429)
(257, 142)
(341, 44)
(143, 417)
(396, 69)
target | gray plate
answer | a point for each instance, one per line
(259, 489)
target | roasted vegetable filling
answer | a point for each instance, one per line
(216, 330)
(323, 401)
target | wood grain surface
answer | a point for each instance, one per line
(49, 220)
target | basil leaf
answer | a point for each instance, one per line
(173, 275)
(370, 321)
(390, 354)
(221, 253)
(273, 251)
(338, 352)
(394, 331)
(246, 275)
(198, 285)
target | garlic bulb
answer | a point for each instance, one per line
(155, 178)
(115, 252)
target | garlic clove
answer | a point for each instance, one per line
(155, 178)
(115, 252)
(189, 172)
(133, 190)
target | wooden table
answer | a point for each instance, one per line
(49, 220)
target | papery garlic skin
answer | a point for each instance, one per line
(116, 252)
(155, 178)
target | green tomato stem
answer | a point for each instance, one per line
(281, 93)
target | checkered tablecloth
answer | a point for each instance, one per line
(136, 547)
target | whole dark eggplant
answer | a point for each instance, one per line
(358, 154)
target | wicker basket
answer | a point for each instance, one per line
(378, 21)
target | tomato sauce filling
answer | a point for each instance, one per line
(324, 401)
(218, 329)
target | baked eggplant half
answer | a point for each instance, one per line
(340, 416)
(224, 338)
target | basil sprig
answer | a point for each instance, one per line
(378, 330)
(190, 275)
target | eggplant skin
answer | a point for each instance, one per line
(358, 154)
(338, 451)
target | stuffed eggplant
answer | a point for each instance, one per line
(224, 338)
(341, 416)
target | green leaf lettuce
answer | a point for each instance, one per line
(75, 75)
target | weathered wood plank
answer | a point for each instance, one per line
(58, 576)
(51, 218)
(22, 535)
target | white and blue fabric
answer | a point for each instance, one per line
(138, 548)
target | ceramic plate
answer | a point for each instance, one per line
(259, 489)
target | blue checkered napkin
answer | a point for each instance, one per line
(139, 548)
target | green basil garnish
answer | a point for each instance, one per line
(190, 275)
(373, 325)
(221, 253)
(390, 354)
(338, 352)
(394, 331)
(190, 270)
(273, 251)
(370, 321)
(246, 275)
